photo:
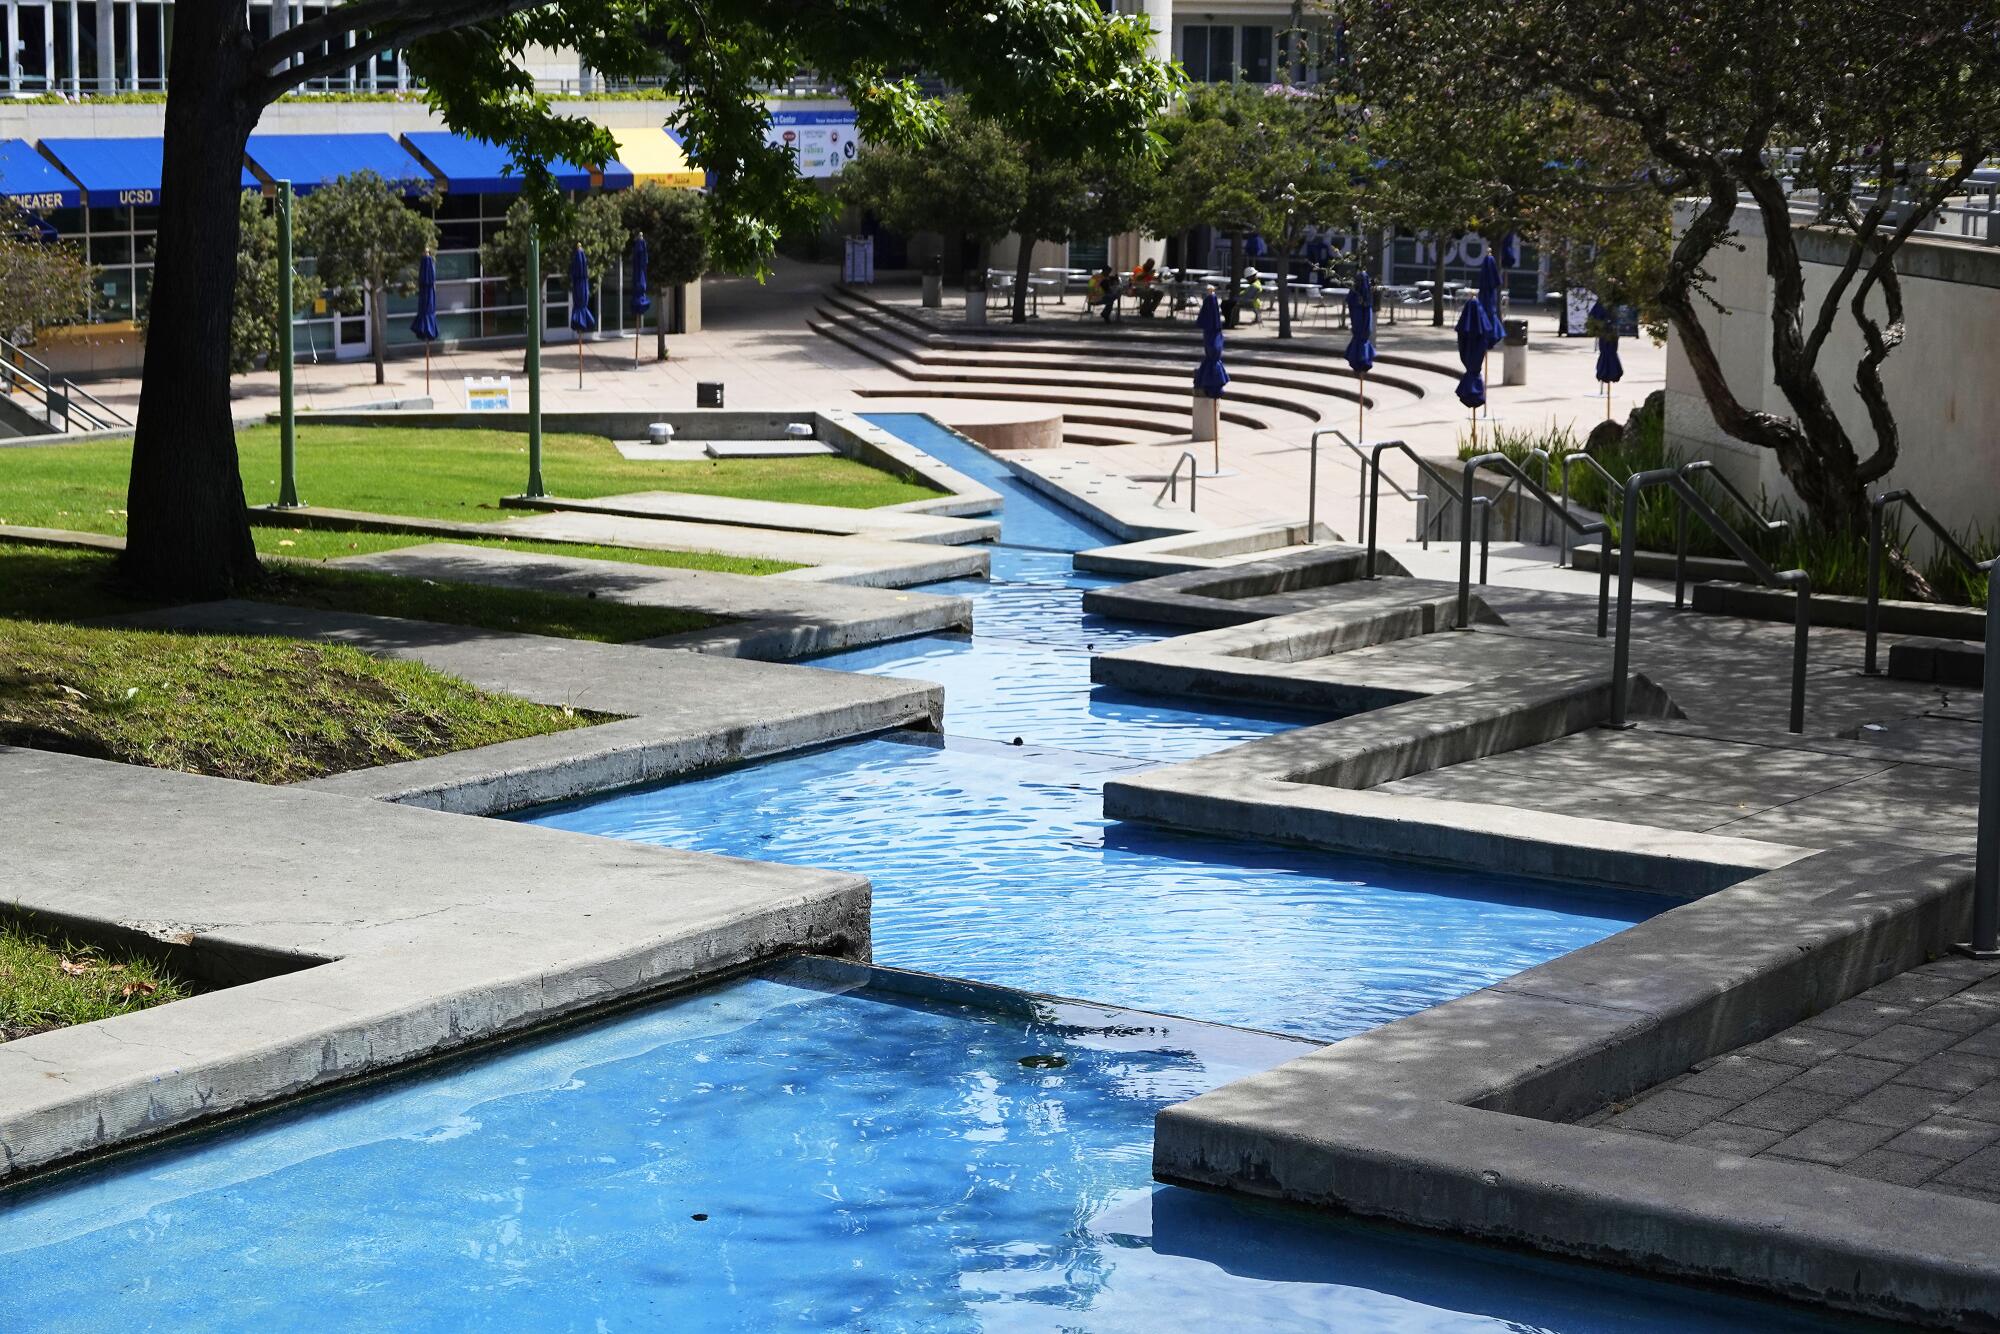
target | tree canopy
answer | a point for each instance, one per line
(42, 283)
(1062, 73)
(1869, 115)
(367, 243)
(674, 223)
(969, 180)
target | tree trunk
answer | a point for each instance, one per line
(378, 332)
(1023, 266)
(189, 537)
(1437, 286)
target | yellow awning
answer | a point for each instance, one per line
(652, 156)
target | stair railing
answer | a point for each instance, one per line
(1582, 527)
(1171, 491)
(1872, 617)
(1796, 580)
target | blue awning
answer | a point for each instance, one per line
(27, 178)
(475, 167)
(309, 161)
(116, 171)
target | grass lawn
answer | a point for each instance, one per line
(428, 474)
(47, 983)
(65, 584)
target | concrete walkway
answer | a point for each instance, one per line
(1900, 1084)
(769, 619)
(369, 934)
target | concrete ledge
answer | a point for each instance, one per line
(429, 932)
(1115, 504)
(684, 710)
(1201, 550)
(1437, 1120)
(1755, 602)
(767, 619)
(59, 537)
(1252, 591)
(1948, 662)
(884, 525)
(859, 438)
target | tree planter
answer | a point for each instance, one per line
(975, 307)
(933, 291)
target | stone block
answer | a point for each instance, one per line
(1980, 1172)
(1898, 1106)
(1898, 1169)
(1946, 1138)
(1788, 1109)
(1737, 1078)
(1669, 1112)
(1952, 1072)
(1905, 1044)
(1982, 1104)
(1831, 1142)
(1847, 1076)
(1726, 1137)
(1862, 1017)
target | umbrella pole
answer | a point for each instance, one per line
(1607, 400)
(1361, 412)
(579, 360)
(427, 368)
(638, 335)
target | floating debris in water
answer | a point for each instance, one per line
(1043, 1062)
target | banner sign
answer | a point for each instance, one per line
(823, 141)
(489, 395)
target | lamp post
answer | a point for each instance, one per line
(535, 316)
(288, 425)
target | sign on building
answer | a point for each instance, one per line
(824, 141)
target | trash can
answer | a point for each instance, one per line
(1514, 352)
(708, 394)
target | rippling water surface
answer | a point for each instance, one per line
(799, 1150)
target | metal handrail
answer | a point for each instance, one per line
(1598, 526)
(1872, 619)
(1172, 488)
(1611, 484)
(57, 394)
(1748, 507)
(1372, 473)
(1621, 653)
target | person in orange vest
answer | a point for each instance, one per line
(1146, 286)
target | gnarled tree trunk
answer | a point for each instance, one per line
(1023, 266)
(189, 537)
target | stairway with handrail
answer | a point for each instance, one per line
(63, 404)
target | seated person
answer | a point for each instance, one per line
(1104, 288)
(1146, 286)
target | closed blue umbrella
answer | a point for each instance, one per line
(1360, 352)
(1489, 298)
(581, 318)
(1510, 251)
(1472, 346)
(1210, 377)
(642, 299)
(1610, 370)
(425, 325)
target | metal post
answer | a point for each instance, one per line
(1986, 874)
(1801, 633)
(1680, 554)
(1621, 649)
(1603, 583)
(1374, 509)
(1871, 622)
(1312, 489)
(535, 317)
(1465, 549)
(1486, 537)
(288, 422)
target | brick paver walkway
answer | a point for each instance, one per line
(1901, 1084)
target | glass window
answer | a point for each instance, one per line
(111, 220)
(1257, 46)
(114, 294)
(116, 249)
(1194, 52)
(457, 265)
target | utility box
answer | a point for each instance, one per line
(708, 394)
(1514, 352)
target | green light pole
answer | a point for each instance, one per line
(288, 426)
(535, 316)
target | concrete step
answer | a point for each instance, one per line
(887, 525)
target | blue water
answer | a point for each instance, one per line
(995, 862)
(793, 1150)
(1028, 519)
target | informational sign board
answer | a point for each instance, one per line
(1576, 311)
(487, 394)
(824, 141)
(858, 263)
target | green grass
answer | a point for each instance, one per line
(67, 584)
(263, 709)
(53, 983)
(431, 474)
